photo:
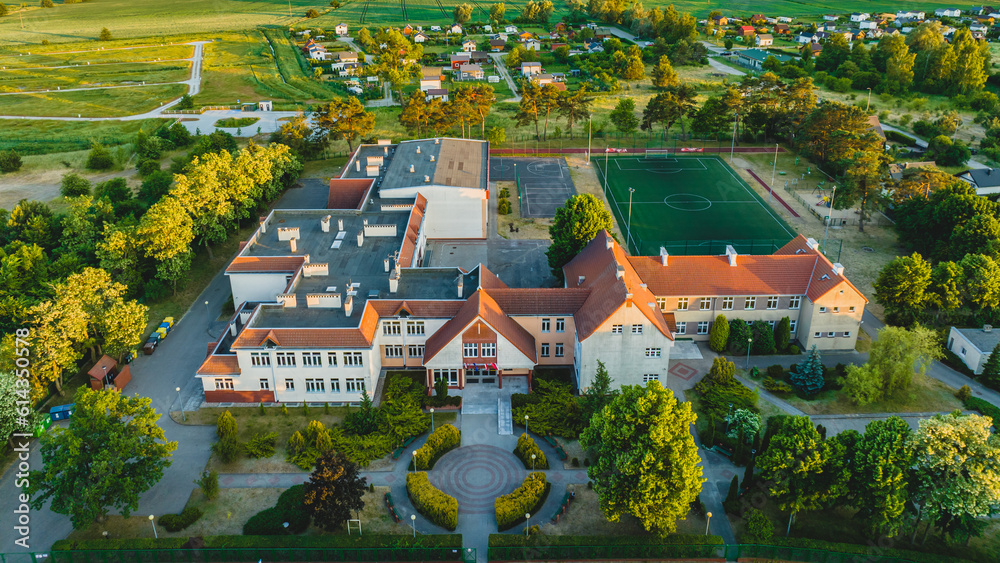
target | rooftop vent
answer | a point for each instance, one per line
(461, 282)
(427, 179)
(620, 272)
(340, 224)
(349, 305)
(293, 245)
(357, 165)
(432, 158)
(361, 238)
(386, 150)
(324, 224)
(411, 168)
(987, 328)
(825, 277)
(731, 254)
(580, 280)
(418, 149)
(437, 141)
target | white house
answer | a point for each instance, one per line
(831, 18)
(435, 28)
(531, 68)
(948, 12)
(806, 38)
(510, 29)
(468, 45)
(532, 45)
(910, 14)
(868, 24)
(784, 19)
(420, 37)
(488, 28)
(973, 345)
(470, 72)
(765, 40)
(455, 29)
(341, 29)
(859, 17)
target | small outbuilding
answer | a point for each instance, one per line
(106, 375)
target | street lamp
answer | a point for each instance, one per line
(729, 416)
(606, 171)
(527, 524)
(749, 342)
(525, 425)
(414, 462)
(413, 522)
(829, 218)
(628, 226)
(869, 100)
(707, 522)
(590, 120)
(774, 165)
(732, 148)
(207, 312)
(183, 414)
(432, 419)
(532, 466)
(153, 524)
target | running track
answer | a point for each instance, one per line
(776, 196)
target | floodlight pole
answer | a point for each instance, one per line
(774, 166)
(732, 147)
(605, 171)
(590, 121)
(829, 219)
(628, 226)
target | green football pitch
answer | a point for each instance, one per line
(689, 205)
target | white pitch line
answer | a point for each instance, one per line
(759, 202)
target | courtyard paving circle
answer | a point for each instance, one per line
(476, 475)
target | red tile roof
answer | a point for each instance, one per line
(220, 365)
(305, 337)
(246, 264)
(409, 244)
(417, 308)
(540, 301)
(489, 280)
(481, 306)
(348, 193)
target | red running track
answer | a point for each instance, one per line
(781, 201)
(598, 151)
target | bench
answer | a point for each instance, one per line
(397, 453)
(392, 509)
(563, 505)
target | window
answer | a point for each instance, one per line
(705, 303)
(682, 328)
(647, 377)
(355, 385)
(223, 384)
(661, 303)
(560, 349)
(794, 301)
(352, 359)
(847, 334)
(836, 309)
(335, 386)
(285, 359)
(546, 325)
(772, 323)
(289, 385)
(331, 359)
(963, 350)
(750, 303)
(258, 359)
(312, 359)
(772, 302)
(822, 309)
(489, 349)
(470, 350)
(682, 304)
(315, 386)
(817, 335)
(703, 327)
(831, 334)
(545, 350)
(265, 384)
(792, 325)
(415, 328)
(395, 351)
(616, 329)
(851, 309)
(450, 375)
(416, 350)
(652, 352)
(390, 328)
(727, 303)
(636, 329)
(560, 325)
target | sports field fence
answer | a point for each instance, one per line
(239, 555)
(822, 213)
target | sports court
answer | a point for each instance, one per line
(544, 183)
(689, 204)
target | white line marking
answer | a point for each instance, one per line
(759, 202)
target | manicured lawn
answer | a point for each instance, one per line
(236, 122)
(110, 102)
(924, 395)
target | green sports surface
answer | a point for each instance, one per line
(688, 204)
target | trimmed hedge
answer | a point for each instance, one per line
(177, 522)
(527, 498)
(441, 441)
(289, 508)
(278, 542)
(900, 138)
(527, 446)
(807, 543)
(509, 540)
(115, 543)
(985, 408)
(436, 506)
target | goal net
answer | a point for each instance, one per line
(659, 154)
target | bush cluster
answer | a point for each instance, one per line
(510, 509)
(776, 385)
(436, 506)
(10, 161)
(511, 540)
(177, 522)
(446, 542)
(289, 508)
(526, 446)
(261, 445)
(441, 441)
(720, 388)
(984, 407)
(552, 409)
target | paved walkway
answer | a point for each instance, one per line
(504, 72)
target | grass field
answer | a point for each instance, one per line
(111, 102)
(44, 136)
(40, 78)
(64, 54)
(688, 198)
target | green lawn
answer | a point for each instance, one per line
(924, 395)
(44, 136)
(110, 102)
(689, 199)
(15, 80)
(63, 54)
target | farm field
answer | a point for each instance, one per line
(21, 80)
(111, 102)
(84, 53)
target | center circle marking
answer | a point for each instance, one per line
(687, 202)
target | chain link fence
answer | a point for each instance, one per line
(231, 555)
(728, 552)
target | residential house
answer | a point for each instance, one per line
(468, 45)
(340, 29)
(479, 57)
(875, 125)
(532, 45)
(408, 30)
(910, 14)
(973, 346)
(430, 78)
(510, 29)
(831, 18)
(869, 24)
(754, 58)
(784, 19)
(459, 59)
(544, 79)
(948, 12)
(420, 37)
(720, 20)
(758, 19)
(488, 28)
(497, 46)
(531, 68)
(502, 37)
(524, 36)
(816, 49)
(806, 38)
(859, 17)
(782, 29)
(470, 72)
(437, 93)
(898, 170)
(765, 40)
(744, 30)
(435, 28)
(603, 33)
(455, 28)
(985, 180)
(978, 27)
(561, 27)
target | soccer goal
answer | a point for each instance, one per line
(659, 154)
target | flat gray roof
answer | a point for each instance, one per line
(461, 163)
(985, 341)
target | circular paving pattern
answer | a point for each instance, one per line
(687, 202)
(476, 475)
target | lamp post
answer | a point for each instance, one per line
(749, 342)
(729, 416)
(432, 419)
(605, 171)
(532, 466)
(707, 522)
(829, 218)
(153, 524)
(183, 414)
(590, 120)
(527, 524)
(774, 166)
(868, 105)
(628, 226)
(414, 462)
(525, 425)
(207, 312)
(413, 523)
(732, 148)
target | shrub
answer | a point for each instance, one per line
(794, 350)
(227, 448)
(99, 158)
(261, 445)
(527, 498)
(209, 484)
(504, 192)
(312, 13)
(575, 462)
(759, 528)
(984, 407)
(436, 506)
(964, 393)
(776, 372)
(284, 410)
(289, 508)
(105, 35)
(10, 161)
(442, 440)
(225, 426)
(763, 338)
(187, 102)
(719, 335)
(526, 446)
(74, 185)
(147, 167)
(900, 137)
(177, 522)
(739, 332)
(775, 386)
(552, 409)
(503, 206)
(782, 334)
(47, 4)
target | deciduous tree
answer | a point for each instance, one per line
(891, 362)
(623, 116)
(344, 119)
(334, 490)
(576, 223)
(903, 288)
(463, 12)
(880, 476)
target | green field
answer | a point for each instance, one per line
(49, 136)
(64, 54)
(683, 201)
(113, 74)
(109, 102)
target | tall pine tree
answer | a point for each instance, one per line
(991, 369)
(808, 374)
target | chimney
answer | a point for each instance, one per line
(461, 282)
(394, 282)
(232, 329)
(609, 243)
(411, 168)
(385, 151)
(361, 238)
(838, 269)
(987, 328)
(357, 165)
(293, 244)
(437, 141)
(263, 224)
(432, 158)
(427, 179)
(340, 224)
(811, 243)
(620, 272)
(386, 264)
(663, 256)
(365, 221)
(349, 305)
(642, 285)
(418, 149)
(324, 224)
(731, 254)
(580, 280)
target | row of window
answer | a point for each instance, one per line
(703, 327)
(619, 329)
(836, 309)
(396, 351)
(313, 385)
(647, 377)
(394, 328)
(560, 325)
(728, 303)
(846, 334)
(449, 375)
(309, 359)
(479, 350)
(560, 350)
